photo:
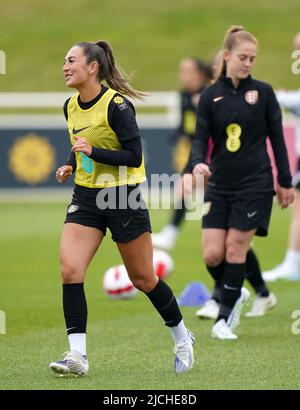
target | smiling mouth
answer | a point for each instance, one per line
(68, 76)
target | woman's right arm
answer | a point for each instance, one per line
(72, 161)
(64, 172)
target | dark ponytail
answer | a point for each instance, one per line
(234, 35)
(108, 70)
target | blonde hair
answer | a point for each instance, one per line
(234, 35)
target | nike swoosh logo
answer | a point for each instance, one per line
(170, 321)
(70, 328)
(127, 223)
(229, 287)
(79, 130)
(216, 99)
(250, 215)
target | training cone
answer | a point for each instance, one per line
(194, 294)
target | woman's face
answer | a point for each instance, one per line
(240, 60)
(191, 79)
(76, 70)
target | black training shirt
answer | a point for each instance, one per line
(239, 121)
(188, 107)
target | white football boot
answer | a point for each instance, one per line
(222, 331)
(184, 354)
(73, 362)
(282, 271)
(210, 310)
(234, 319)
(261, 305)
(166, 238)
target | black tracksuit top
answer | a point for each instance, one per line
(239, 120)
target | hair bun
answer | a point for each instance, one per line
(235, 29)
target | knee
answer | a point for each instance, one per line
(213, 257)
(236, 252)
(144, 283)
(70, 274)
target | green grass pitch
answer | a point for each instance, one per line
(128, 345)
(148, 38)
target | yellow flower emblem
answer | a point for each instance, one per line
(32, 159)
(118, 100)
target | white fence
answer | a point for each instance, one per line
(169, 101)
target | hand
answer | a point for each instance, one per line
(81, 145)
(188, 183)
(202, 169)
(285, 196)
(63, 173)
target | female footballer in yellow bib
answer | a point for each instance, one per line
(108, 163)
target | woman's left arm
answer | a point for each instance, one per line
(130, 155)
(285, 192)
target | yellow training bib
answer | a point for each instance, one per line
(93, 125)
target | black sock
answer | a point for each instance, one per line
(75, 308)
(254, 276)
(178, 214)
(217, 273)
(234, 275)
(165, 303)
(216, 295)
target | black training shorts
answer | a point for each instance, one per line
(124, 225)
(242, 211)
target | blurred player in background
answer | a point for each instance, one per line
(290, 267)
(194, 75)
(104, 136)
(239, 113)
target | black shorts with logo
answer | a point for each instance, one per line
(125, 224)
(242, 211)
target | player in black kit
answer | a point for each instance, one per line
(238, 113)
(194, 75)
(264, 300)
